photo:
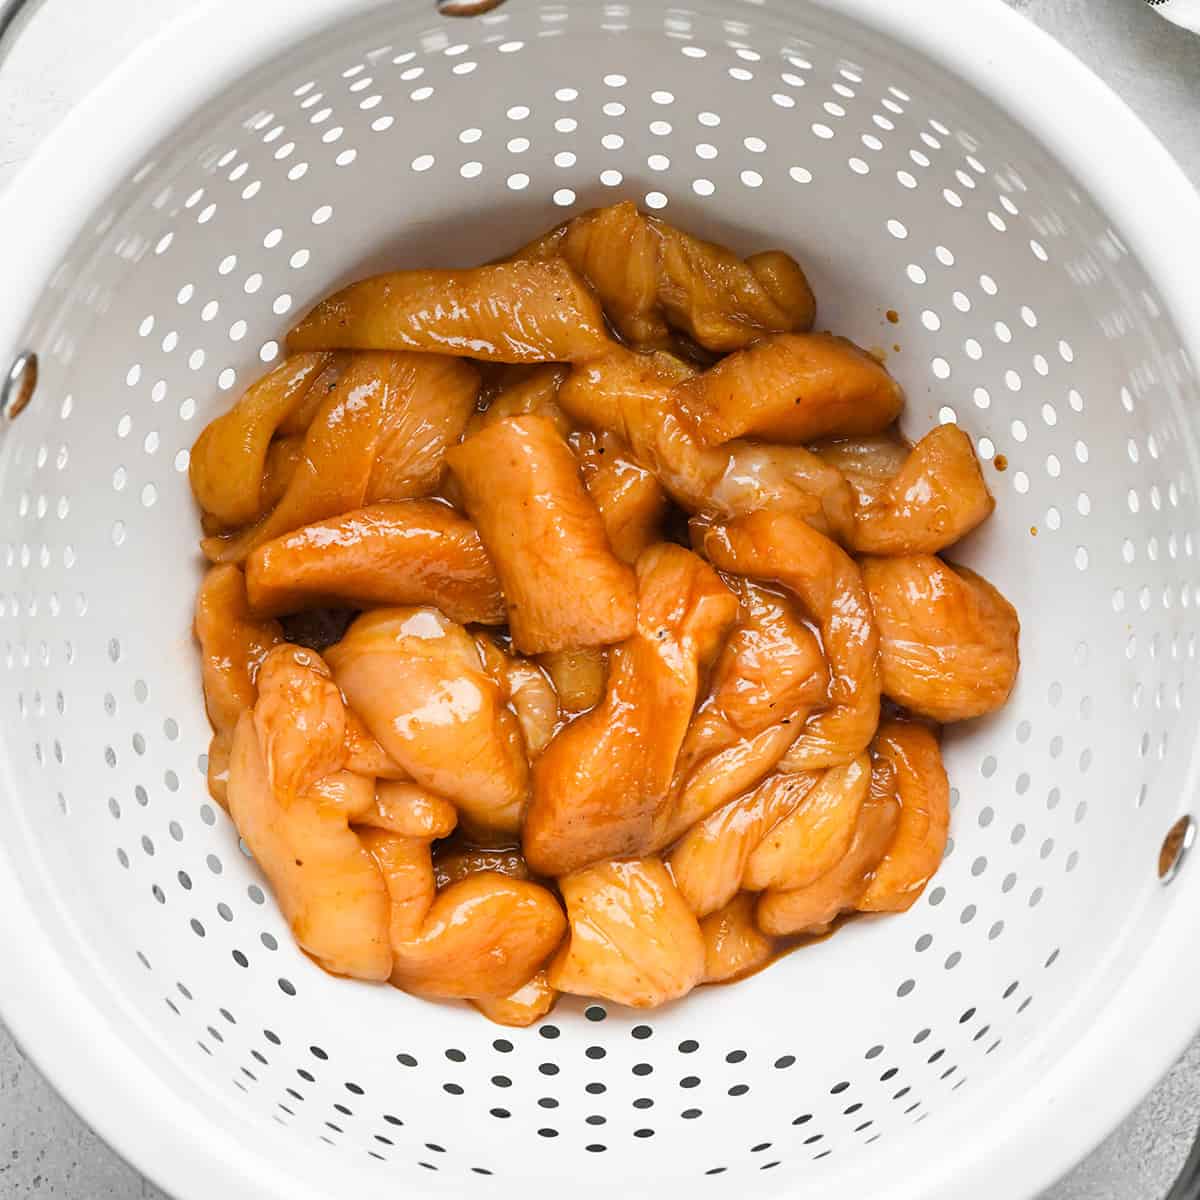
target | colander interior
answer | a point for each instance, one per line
(400, 138)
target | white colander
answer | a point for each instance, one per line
(943, 160)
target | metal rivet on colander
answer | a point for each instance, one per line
(19, 384)
(466, 8)
(1175, 847)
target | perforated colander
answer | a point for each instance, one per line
(942, 160)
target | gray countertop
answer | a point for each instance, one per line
(45, 1150)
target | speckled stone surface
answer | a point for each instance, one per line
(45, 1150)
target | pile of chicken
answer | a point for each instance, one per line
(552, 610)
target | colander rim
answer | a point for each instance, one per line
(1087, 128)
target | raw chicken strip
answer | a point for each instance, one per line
(948, 641)
(516, 312)
(781, 548)
(791, 388)
(563, 586)
(328, 887)
(417, 681)
(603, 782)
(734, 947)
(920, 842)
(410, 552)
(633, 939)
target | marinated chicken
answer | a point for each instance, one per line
(233, 645)
(631, 501)
(709, 862)
(411, 552)
(632, 938)
(417, 680)
(230, 457)
(650, 276)
(520, 312)
(813, 909)
(793, 388)
(631, 396)
(722, 302)
(340, 466)
(328, 886)
(771, 674)
(578, 676)
(300, 719)
(603, 783)
(734, 946)
(780, 548)
(934, 499)
(916, 850)
(947, 638)
(815, 835)
(564, 587)
(554, 608)
(526, 1006)
(524, 392)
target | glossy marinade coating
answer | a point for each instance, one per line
(595, 568)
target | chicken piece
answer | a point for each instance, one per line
(233, 645)
(616, 250)
(282, 461)
(365, 756)
(229, 458)
(791, 388)
(407, 552)
(937, 497)
(916, 851)
(812, 909)
(526, 1006)
(783, 280)
(400, 828)
(709, 861)
(630, 395)
(631, 501)
(602, 784)
(771, 664)
(719, 771)
(528, 692)
(578, 676)
(815, 835)
(647, 273)
(781, 548)
(633, 939)
(516, 312)
(338, 456)
(406, 868)
(416, 680)
(563, 586)
(530, 392)
(723, 302)
(484, 937)
(733, 945)
(770, 675)
(948, 641)
(328, 887)
(300, 720)
(436, 398)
